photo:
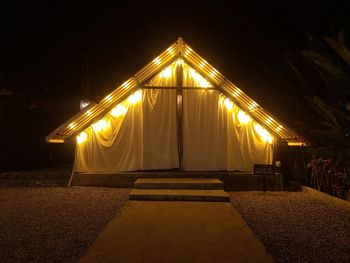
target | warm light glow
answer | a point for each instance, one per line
(263, 133)
(125, 84)
(88, 112)
(202, 64)
(269, 120)
(213, 73)
(71, 125)
(228, 104)
(253, 106)
(198, 79)
(56, 140)
(108, 98)
(279, 128)
(166, 73)
(81, 138)
(100, 125)
(84, 104)
(170, 50)
(188, 50)
(156, 61)
(295, 144)
(243, 118)
(136, 97)
(118, 110)
(236, 93)
(179, 62)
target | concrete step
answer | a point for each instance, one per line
(178, 183)
(205, 195)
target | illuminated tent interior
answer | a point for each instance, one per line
(178, 112)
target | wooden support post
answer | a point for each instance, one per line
(179, 113)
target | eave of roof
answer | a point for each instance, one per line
(179, 49)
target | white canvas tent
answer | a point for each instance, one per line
(176, 112)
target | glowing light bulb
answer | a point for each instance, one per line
(188, 51)
(108, 98)
(236, 93)
(156, 61)
(88, 112)
(279, 128)
(269, 120)
(228, 103)
(166, 73)
(100, 125)
(170, 50)
(202, 64)
(118, 110)
(243, 118)
(253, 106)
(136, 97)
(213, 73)
(263, 133)
(71, 125)
(198, 79)
(125, 84)
(81, 138)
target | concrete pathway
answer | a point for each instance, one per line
(160, 231)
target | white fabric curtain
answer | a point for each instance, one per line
(215, 140)
(144, 135)
(142, 138)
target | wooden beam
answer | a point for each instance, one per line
(179, 112)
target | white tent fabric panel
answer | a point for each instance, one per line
(204, 132)
(143, 133)
(215, 140)
(142, 138)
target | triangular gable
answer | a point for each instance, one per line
(148, 76)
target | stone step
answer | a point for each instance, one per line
(205, 195)
(178, 183)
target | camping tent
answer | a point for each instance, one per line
(176, 112)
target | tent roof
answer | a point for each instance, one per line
(179, 49)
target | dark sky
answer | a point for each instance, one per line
(44, 45)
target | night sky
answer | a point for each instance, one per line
(46, 46)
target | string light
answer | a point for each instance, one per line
(269, 120)
(100, 125)
(198, 79)
(253, 106)
(156, 61)
(118, 110)
(81, 138)
(166, 73)
(279, 128)
(136, 97)
(243, 118)
(228, 104)
(263, 133)
(170, 50)
(236, 93)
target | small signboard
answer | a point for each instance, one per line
(264, 169)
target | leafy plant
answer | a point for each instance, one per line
(330, 146)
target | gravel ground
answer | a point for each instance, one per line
(54, 224)
(295, 227)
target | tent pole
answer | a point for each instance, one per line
(179, 113)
